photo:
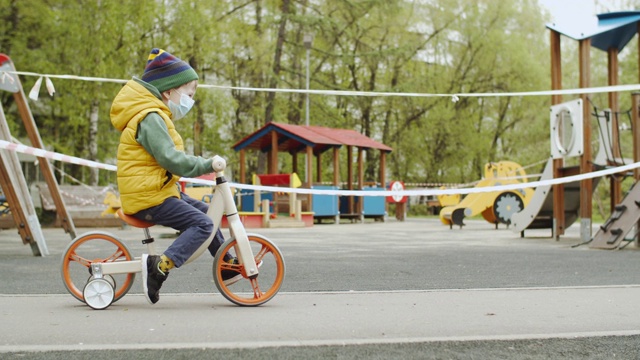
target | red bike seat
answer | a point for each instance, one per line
(133, 221)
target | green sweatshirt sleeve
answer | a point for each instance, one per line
(154, 136)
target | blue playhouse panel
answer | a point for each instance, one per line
(247, 200)
(325, 205)
(374, 205)
(344, 204)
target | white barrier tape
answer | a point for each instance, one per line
(54, 156)
(68, 77)
(455, 96)
(428, 192)
(423, 192)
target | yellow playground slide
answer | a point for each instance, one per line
(495, 206)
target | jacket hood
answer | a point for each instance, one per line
(135, 97)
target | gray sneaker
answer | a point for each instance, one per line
(152, 277)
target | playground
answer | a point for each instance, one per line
(502, 268)
(506, 194)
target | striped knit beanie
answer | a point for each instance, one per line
(166, 72)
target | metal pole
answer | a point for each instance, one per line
(307, 44)
(306, 113)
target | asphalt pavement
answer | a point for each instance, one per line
(415, 289)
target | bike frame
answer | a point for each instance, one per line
(222, 203)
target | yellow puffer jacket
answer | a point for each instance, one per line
(142, 182)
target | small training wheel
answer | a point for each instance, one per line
(109, 278)
(98, 293)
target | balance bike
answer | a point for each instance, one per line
(99, 269)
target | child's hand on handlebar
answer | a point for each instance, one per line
(219, 163)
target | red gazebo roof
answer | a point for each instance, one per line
(350, 138)
(295, 138)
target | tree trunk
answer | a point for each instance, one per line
(198, 125)
(273, 83)
(93, 141)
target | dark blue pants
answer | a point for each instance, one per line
(189, 217)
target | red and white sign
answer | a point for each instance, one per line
(396, 186)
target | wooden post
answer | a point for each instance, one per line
(294, 163)
(318, 168)
(309, 159)
(268, 161)
(360, 168)
(400, 211)
(635, 124)
(361, 182)
(292, 199)
(266, 217)
(273, 153)
(556, 67)
(298, 213)
(243, 168)
(350, 176)
(336, 166)
(586, 186)
(336, 179)
(615, 182)
(558, 164)
(382, 177)
(635, 103)
(257, 196)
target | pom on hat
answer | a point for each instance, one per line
(165, 71)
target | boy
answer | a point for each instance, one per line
(151, 159)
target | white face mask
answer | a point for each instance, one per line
(180, 110)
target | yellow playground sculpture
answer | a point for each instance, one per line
(496, 206)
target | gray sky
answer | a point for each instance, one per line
(580, 10)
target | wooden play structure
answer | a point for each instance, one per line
(263, 207)
(313, 141)
(12, 179)
(611, 34)
(280, 202)
(564, 142)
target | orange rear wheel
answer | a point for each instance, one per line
(91, 248)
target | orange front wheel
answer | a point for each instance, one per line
(256, 290)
